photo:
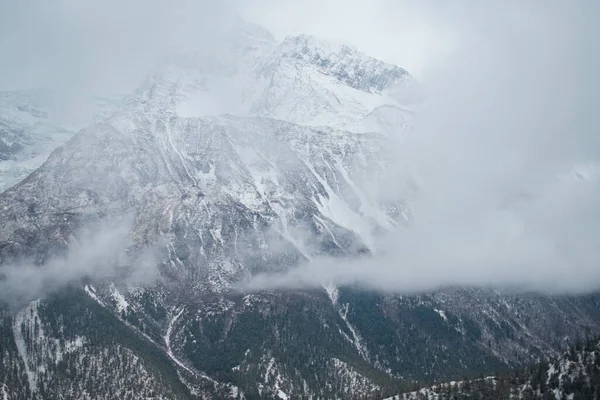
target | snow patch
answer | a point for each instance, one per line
(91, 291)
(119, 299)
(442, 314)
(332, 292)
(356, 340)
(18, 324)
(337, 210)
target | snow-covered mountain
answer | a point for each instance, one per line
(302, 80)
(311, 82)
(246, 72)
(221, 180)
(256, 158)
(32, 125)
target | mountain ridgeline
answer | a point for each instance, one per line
(256, 160)
(573, 375)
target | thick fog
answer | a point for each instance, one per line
(506, 151)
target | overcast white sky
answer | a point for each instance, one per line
(105, 43)
(102, 44)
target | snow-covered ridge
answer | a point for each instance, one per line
(573, 375)
(349, 66)
(311, 82)
(303, 80)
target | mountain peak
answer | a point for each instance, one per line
(348, 65)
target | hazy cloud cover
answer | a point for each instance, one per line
(506, 154)
(107, 46)
(506, 150)
(98, 46)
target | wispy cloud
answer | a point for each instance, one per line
(98, 251)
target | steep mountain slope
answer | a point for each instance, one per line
(221, 198)
(63, 347)
(229, 196)
(196, 172)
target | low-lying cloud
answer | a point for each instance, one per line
(98, 251)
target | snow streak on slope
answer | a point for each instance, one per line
(333, 294)
(120, 301)
(18, 325)
(356, 339)
(167, 338)
(39, 350)
(168, 344)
